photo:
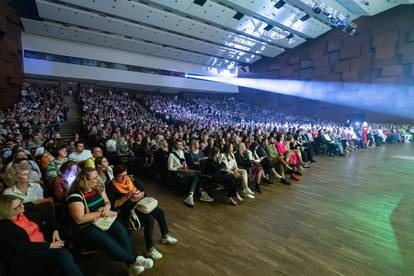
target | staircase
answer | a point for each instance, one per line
(73, 124)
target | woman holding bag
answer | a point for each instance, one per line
(96, 226)
(124, 195)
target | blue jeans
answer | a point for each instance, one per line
(115, 242)
(191, 175)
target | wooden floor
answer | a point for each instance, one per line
(348, 216)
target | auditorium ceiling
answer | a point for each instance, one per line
(216, 33)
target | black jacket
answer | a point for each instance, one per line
(113, 195)
(213, 168)
(242, 161)
(14, 241)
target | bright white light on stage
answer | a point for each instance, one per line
(391, 99)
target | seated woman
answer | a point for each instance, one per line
(194, 156)
(86, 203)
(23, 164)
(231, 166)
(32, 165)
(124, 195)
(30, 243)
(67, 175)
(293, 145)
(161, 159)
(105, 172)
(24, 189)
(60, 153)
(289, 157)
(217, 170)
(254, 168)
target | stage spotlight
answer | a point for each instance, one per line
(268, 28)
(316, 9)
(305, 17)
(279, 4)
(354, 32)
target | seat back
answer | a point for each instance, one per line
(202, 163)
(46, 206)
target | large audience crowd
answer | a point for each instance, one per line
(196, 143)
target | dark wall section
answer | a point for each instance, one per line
(382, 53)
(10, 54)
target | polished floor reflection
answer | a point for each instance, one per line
(348, 216)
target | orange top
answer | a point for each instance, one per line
(31, 228)
(126, 186)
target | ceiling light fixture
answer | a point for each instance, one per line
(334, 18)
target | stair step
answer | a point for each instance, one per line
(73, 124)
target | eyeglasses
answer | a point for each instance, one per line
(18, 207)
(92, 179)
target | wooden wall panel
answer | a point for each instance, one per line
(382, 53)
(10, 50)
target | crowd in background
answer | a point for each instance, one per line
(196, 142)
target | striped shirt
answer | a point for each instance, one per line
(93, 200)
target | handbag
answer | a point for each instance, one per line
(103, 223)
(134, 222)
(146, 205)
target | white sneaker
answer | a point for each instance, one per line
(168, 240)
(153, 254)
(205, 197)
(250, 191)
(147, 263)
(189, 201)
(247, 194)
(134, 270)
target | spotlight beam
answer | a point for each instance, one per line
(391, 99)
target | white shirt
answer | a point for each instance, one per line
(34, 192)
(327, 138)
(173, 162)
(230, 163)
(80, 157)
(111, 145)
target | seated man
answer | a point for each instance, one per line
(90, 163)
(273, 158)
(325, 139)
(80, 155)
(178, 166)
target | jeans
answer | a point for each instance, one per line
(148, 221)
(193, 175)
(115, 242)
(41, 262)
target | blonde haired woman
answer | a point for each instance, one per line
(25, 189)
(244, 159)
(231, 166)
(86, 203)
